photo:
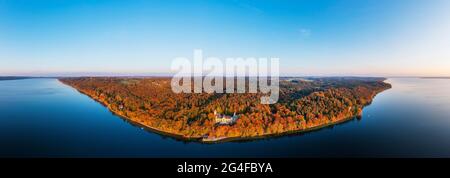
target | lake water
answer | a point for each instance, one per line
(45, 118)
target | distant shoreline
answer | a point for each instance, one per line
(434, 77)
(24, 77)
(13, 78)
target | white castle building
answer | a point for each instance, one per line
(224, 119)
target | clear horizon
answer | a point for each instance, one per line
(382, 38)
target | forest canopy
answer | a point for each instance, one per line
(304, 103)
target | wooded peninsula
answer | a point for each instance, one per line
(304, 104)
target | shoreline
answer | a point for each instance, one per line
(131, 120)
(221, 139)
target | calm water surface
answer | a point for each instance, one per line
(44, 118)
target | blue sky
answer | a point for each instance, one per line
(315, 37)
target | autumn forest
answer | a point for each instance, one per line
(304, 104)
